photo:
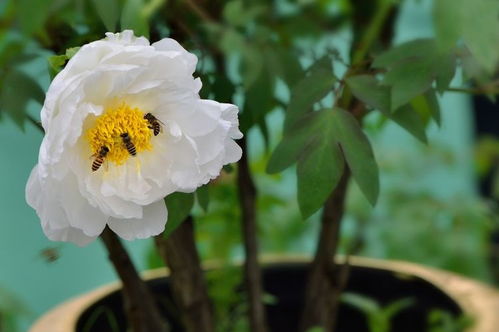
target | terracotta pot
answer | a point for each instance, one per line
(284, 277)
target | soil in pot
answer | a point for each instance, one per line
(286, 283)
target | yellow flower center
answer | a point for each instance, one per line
(110, 131)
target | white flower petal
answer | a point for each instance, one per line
(73, 201)
(65, 214)
(152, 223)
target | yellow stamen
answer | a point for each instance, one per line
(114, 122)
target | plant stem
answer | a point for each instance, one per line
(187, 279)
(140, 307)
(372, 32)
(252, 272)
(326, 279)
(325, 285)
(474, 91)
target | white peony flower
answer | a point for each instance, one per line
(94, 119)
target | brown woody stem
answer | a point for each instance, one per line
(187, 279)
(139, 304)
(252, 272)
(325, 280)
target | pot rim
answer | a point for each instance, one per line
(475, 298)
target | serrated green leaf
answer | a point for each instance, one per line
(358, 153)
(319, 171)
(309, 90)
(109, 13)
(203, 197)
(367, 89)
(179, 206)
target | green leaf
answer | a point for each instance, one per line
(70, 52)
(18, 89)
(413, 67)
(427, 106)
(203, 196)
(309, 90)
(293, 144)
(365, 304)
(358, 153)
(474, 22)
(408, 80)
(284, 64)
(407, 118)
(132, 18)
(315, 329)
(179, 206)
(236, 14)
(319, 171)
(223, 89)
(445, 67)
(397, 306)
(252, 64)
(368, 89)
(56, 62)
(108, 11)
(313, 143)
(259, 100)
(32, 15)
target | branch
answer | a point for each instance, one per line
(475, 91)
(140, 307)
(253, 280)
(199, 11)
(187, 278)
(325, 284)
(326, 279)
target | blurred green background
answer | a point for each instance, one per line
(429, 209)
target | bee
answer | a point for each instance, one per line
(50, 254)
(154, 123)
(127, 140)
(99, 158)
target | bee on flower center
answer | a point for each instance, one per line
(127, 141)
(154, 123)
(99, 158)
